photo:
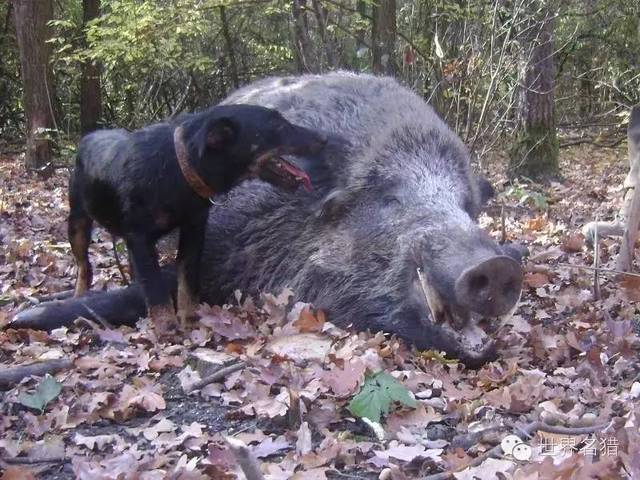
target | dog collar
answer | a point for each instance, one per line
(188, 172)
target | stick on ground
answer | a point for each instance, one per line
(32, 461)
(12, 376)
(527, 430)
(217, 375)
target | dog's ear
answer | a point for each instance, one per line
(216, 135)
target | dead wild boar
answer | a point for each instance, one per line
(388, 239)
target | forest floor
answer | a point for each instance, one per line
(567, 383)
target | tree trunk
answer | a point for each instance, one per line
(32, 31)
(361, 6)
(535, 149)
(90, 94)
(326, 41)
(301, 42)
(233, 66)
(383, 38)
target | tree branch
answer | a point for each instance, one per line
(12, 376)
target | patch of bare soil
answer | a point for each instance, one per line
(128, 405)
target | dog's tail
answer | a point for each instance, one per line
(123, 306)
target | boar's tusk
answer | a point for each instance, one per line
(431, 296)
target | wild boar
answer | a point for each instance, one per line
(388, 239)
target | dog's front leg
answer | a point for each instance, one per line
(145, 261)
(189, 251)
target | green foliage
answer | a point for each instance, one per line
(143, 37)
(160, 57)
(528, 197)
(11, 115)
(48, 389)
(377, 394)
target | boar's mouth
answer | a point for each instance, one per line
(272, 168)
(464, 332)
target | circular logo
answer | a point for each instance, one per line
(522, 452)
(509, 442)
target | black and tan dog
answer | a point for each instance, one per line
(140, 185)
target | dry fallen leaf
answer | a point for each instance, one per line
(122, 413)
(536, 280)
(346, 380)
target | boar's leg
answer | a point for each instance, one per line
(123, 306)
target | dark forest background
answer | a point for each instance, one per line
(528, 77)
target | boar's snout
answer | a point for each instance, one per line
(490, 288)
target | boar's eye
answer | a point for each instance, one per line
(391, 201)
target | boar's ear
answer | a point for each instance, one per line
(333, 206)
(485, 189)
(216, 134)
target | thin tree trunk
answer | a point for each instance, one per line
(383, 38)
(7, 18)
(90, 93)
(322, 23)
(535, 150)
(301, 41)
(361, 6)
(230, 51)
(32, 32)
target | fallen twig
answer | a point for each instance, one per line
(55, 296)
(12, 376)
(533, 268)
(217, 375)
(560, 430)
(527, 430)
(503, 228)
(467, 440)
(591, 141)
(596, 263)
(32, 461)
(601, 270)
(248, 463)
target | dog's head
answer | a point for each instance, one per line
(235, 142)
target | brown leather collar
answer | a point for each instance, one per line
(190, 175)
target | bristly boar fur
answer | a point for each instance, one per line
(387, 240)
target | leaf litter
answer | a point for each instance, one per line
(310, 400)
